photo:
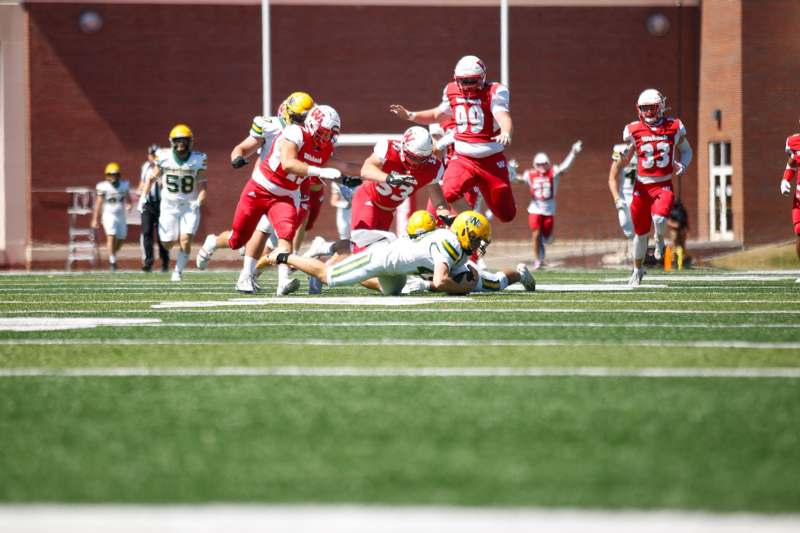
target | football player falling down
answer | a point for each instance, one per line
(442, 254)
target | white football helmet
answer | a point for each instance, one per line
(470, 75)
(323, 123)
(651, 106)
(541, 162)
(416, 147)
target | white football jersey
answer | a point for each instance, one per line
(420, 256)
(268, 129)
(179, 180)
(114, 197)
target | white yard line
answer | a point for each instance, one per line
(504, 324)
(405, 342)
(445, 372)
(373, 519)
(345, 309)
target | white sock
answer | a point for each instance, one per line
(491, 282)
(181, 260)
(112, 259)
(660, 224)
(213, 247)
(249, 265)
(283, 274)
(639, 246)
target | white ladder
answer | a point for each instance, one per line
(82, 244)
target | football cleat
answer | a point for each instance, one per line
(658, 252)
(176, 276)
(205, 251)
(526, 278)
(319, 247)
(112, 267)
(314, 285)
(636, 277)
(256, 275)
(536, 265)
(289, 287)
(245, 285)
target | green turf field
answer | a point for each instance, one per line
(683, 394)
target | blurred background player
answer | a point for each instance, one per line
(149, 207)
(385, 265)
(261, 137)
(654, 138)
(341, 199)
(111, 203)
(678, 225)
(542, 181)
(180, 172)
(789, 175)
(622, 190)
(483, 130)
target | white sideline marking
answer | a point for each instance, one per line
(373, 519)
(351, 300)
(711, 277)
(515, 310)
(581, 287)
(445, 372)
(407, 342)
(54, 324)
(504, 324)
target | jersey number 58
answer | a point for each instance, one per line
(184, 184)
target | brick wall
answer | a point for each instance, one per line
(575, 73)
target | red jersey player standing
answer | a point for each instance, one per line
(483, 129)
(793, 149)
(654, 139)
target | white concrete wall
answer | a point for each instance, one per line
(14, 138)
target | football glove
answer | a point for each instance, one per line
(679, 169)
(619, 203)
(238, 162)
(194, 205)
(396, 180)
(577, 146)
(786, 187)
(351, 181)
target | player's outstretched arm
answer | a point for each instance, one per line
(442, 282)
(506, 127)
(577, 146)
(242, 151)
(425, 117)
(788, 175)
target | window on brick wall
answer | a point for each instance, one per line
(720, 175)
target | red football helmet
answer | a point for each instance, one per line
(323, 124)
(470, 75)
(416, 147)
(651, 106)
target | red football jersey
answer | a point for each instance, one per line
(793, 147)
(385, 195)
(541, 184)
(272, 170)
(473, 115)
(655, 147)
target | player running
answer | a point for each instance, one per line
(483, 130)
(654, 139)
(183, 192)
(113, 196)
(263, 132)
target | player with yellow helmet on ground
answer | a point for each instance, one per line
(183, 191)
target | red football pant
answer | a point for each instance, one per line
(650, 199)
(541, 222)
(364, 215)
(309, 210)
(489, 174)
(256, 201)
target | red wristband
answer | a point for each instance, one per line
(788, 174)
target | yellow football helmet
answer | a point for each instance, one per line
(419, 223)
(112, 169)
(295, 108)
(181, 133)
(473, 231)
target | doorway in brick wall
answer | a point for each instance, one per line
(720, 175)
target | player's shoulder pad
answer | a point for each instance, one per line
(381, 149)
(294, 134)
(163, 154)
(449, 243)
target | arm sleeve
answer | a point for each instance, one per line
(501, 99)
(294, 135)
(444, 105)
(686, 152)
(565, 164)
(380, 150)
